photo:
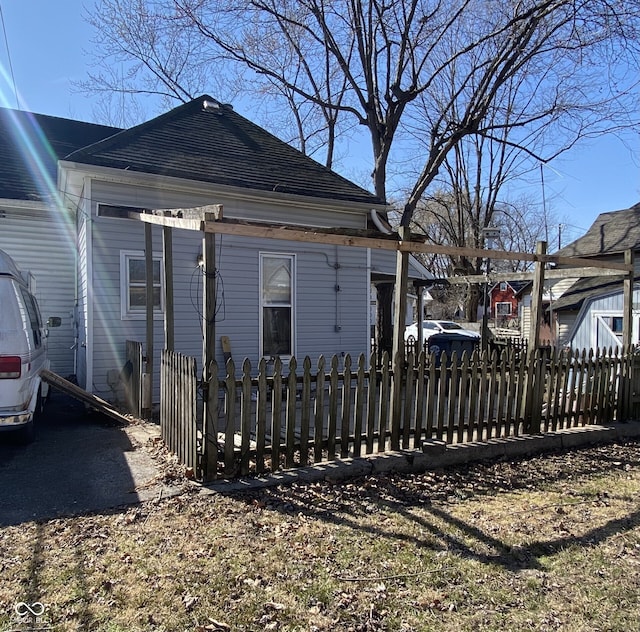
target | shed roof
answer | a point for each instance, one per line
(30, 146)
(207, 141)
(587, 288)
(611, 233)
(516, 286)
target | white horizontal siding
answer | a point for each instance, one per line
(42, 241)
(327, 321)
(266, 210)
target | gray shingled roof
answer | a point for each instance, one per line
(220, 147)
(587, 288)
(30, 146)
(611, 233)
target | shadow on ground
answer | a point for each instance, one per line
(80, 462)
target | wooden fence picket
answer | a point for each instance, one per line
(455, 399)
(290, 415)
(419, 411)
(430, 424)
(359, 406)
(372, 404)
(245, 417)
(345, 408)
(319, 412)
(384, 391)
(261, 415)
(333, 409)
(408, 405)
(276, 414)
(305, 411)
(462, 414)
(230, 418)
(452, 380)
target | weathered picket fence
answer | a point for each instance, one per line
(133, 377)
(292, 416)
(178, 407)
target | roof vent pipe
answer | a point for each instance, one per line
(211, 106)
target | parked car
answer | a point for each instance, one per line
(23, 352)
(431, 327)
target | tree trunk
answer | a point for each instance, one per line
(384, 326)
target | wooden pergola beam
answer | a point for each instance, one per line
(503, 255)
(562, 273)
(194, 219)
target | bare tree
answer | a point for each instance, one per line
(418, 75)
(152, 48)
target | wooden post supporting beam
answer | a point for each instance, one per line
(399, 318)
(627, 317)
(167, 248)
(536, 296)
(400, 294)
(147, 384)
(209, 410)
(420, 320)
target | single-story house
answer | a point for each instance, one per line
(505, 301)
(274, 297)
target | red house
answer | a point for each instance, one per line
(504, 302)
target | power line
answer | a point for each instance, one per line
(6, 43)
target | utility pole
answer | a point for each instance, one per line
(559, 236)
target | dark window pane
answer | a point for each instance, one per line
(138, 271)
(138, 298)
(156, 272)
(276, 327)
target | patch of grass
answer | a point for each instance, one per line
(548, 543)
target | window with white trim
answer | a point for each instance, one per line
(133, 285)
(503, 309)
(277, 274)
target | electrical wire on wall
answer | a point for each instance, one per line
(195, 290)
(6, 42)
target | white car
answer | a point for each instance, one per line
(430, 327)
(23, 352)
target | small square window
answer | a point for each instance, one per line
(133, 288)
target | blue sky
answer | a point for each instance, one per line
(48, 42)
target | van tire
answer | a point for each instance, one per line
(40, 402)
(27, 433)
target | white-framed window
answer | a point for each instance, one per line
(503, 286)
(503, 309)
(615, 323)
(133, 285)
(277, 304)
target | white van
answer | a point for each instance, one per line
(23, 352)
